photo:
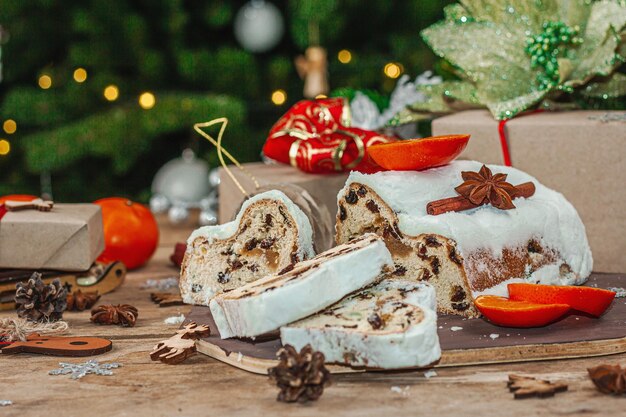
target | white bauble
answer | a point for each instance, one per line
(259, 26)
(214, 177)
(178, 214)
(183, 180)
(207, 218)
(159, 203)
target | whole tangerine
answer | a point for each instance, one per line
(131, 233)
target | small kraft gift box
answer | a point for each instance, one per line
(68, 237)
(581, 154)
(322, 187)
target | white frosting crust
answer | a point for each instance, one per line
(392, 347)
(275, 301)
(546, 216)
(227, 230)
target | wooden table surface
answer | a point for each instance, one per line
(204, 386)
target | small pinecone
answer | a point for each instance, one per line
(37, 301)
(300, 376)
(121, 314)
(80, 301)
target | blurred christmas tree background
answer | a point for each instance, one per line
(97, 95)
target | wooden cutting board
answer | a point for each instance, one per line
(477, 342)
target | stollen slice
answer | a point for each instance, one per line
(389, 325)
(269, 233)
(299, 291)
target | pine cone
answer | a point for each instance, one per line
(300, 376)
(80, 301)
(37, 301)
(122, 314)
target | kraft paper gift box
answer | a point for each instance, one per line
(322, 187)
(68, 238)
(581, 154)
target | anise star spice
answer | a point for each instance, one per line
(483, 187)
(609, 379)
(300, 376)
(80, 301)
(121, 314)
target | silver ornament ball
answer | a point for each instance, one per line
(259, 26)
(159, 203)
(178, 214)
(207, 218)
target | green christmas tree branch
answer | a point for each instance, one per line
(123, 133)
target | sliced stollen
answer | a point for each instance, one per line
(269, 234)
(301, 290)
(390, 325)
(469, 253)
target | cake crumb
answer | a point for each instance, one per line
(456, 328)
(399, 390)
(175, 319)
(494, 336)
(619, 291)
(429, 374)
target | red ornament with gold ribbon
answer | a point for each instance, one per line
(315, 136)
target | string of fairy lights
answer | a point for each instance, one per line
(111, 92)
(147, 100)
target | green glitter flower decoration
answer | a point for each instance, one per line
(515, 55)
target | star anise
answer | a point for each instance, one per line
(483, 187)
(609, 379)
(300, 376)
(122, 314)
(80, 301)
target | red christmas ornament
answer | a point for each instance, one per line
(315, 136)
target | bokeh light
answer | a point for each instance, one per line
(279, 97)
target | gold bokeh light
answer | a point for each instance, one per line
(344, 56)
(80, 75)
(279, 97)
(393, 70)
(9, 126)
(147, 100)
(111, 92)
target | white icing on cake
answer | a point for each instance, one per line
(344, 333)
(268, 303)
(546, 216)
(227, 230)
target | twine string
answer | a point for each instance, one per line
(19, 329)
(221, 151)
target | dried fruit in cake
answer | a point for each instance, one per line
(469, 253)
(590, 300)
(418, 154)
(504, 312)
(300, 290)
(270, 233)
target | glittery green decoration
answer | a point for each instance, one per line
(514, 55)
(547, 48)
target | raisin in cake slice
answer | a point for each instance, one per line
(301, 290)
(269, 233)
(469, 253)
(389, 325)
